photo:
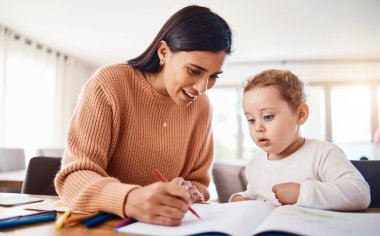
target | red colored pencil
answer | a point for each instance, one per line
(163, 179)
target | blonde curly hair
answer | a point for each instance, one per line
(290, 87)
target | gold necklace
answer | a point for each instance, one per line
(168, 115)
(149, 79)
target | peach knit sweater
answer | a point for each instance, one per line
(117, 138)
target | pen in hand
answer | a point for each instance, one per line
(163, 179)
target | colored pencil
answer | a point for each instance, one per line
(99, 219)
(59, 221)
(77, 218)
(124, 222)
(29, 215)
(26, 221)
(163, 179)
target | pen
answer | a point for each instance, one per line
(59, 222)
(124, 222)
(163, 179)
(29, 215)
(99, 219)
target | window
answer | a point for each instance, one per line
(225, 122)
(29, 94)
(351, 113)
(316, 122)
(339, 112)
(378, 106)
(29, 103)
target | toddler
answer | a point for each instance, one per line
(292, 169)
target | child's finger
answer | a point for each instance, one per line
(274, 188)
(187, 184)
(178, 180)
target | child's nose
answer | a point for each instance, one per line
(259, 128)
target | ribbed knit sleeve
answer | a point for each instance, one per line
(83, 182)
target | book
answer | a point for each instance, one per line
(257, 217)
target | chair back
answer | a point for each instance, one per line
(12, 159)
(228, 178)
(40, 176)
(371, 173)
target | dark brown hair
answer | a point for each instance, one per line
(290, 87)
(193, 28)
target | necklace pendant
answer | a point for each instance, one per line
(164, 124)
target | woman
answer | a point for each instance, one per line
(150, 113)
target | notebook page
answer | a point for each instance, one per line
(237, 218)
(307, 221)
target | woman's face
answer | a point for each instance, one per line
(186, 75)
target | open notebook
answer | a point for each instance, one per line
(254, 217)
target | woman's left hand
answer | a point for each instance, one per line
(195, 195)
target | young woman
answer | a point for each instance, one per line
(150, 113)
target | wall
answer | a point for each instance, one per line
(76, 75)
(308, 70)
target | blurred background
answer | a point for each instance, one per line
(49, 49)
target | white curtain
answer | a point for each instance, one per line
(31, 79)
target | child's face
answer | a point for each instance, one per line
(273, 125)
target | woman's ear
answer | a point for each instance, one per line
(163, 50)
(303, 113)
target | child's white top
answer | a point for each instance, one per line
(328, 179)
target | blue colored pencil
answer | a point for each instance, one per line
(91, 217)
(21, 221)
(29, 215)
(98, 220)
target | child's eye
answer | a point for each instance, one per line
(268, 117)
(251, 121)
(193, 71)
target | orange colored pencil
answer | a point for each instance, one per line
(163, 179)
(77, 218)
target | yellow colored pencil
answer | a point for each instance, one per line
(60, 220)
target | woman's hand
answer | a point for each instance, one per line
(158, 203)
(238, 198)
(286, 193)
(195, 195)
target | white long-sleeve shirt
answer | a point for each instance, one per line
(328, 179)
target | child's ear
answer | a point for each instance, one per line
(303, 113)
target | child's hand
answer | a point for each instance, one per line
(286, 193)
(238, 198)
